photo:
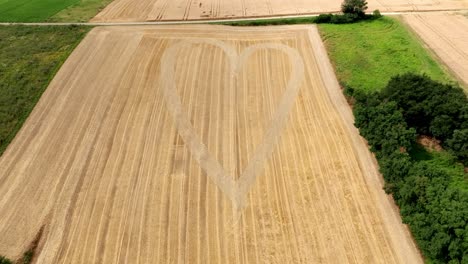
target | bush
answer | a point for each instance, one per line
(458, 145)
(436, 213)
(28, 256)
(323, 18)
(344, 19)
(356, 7)
(4, 260)
(432, 108)
(376, 14)
(395, 167)
(384, 128)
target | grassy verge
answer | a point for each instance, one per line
(29, 59)
(50, 10)
(320, 19)
(271, 22)
(368, 53)
(82, 11)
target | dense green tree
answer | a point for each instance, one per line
(355, 7)
(430, 201)
(384, 127)
(437, 213)
(432, 108)
(394, 168)
(458, 145)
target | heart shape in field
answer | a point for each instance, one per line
(236, 190)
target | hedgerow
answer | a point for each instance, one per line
(430, 201)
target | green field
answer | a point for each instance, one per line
(367, 54)
(49, 10)
(82, 11)
(29, 58)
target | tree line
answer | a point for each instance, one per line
(431, 202)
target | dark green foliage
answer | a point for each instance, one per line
(395, 166)
(376, 14)
(28, 256)
(321, 19)
(436, 213)
(356, 7)
(431, 107)
(458, 144)
(384, 127)
(4, 260)
(29, 58)
(430, 188)
(344, 19)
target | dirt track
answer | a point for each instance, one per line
(447, 35)
(201, 144)
(160, 10)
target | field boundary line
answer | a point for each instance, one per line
(213, 21)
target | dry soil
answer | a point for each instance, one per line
(197, 144)
(157, 10)
(447, 35)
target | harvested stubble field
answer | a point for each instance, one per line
(447, 35)
(202, 144)
(156, 10)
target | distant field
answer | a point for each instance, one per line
(375, 51)
(56, 10)
(82, 11)
(29, 58)
(447, 36)
(151, 10)
(31, 10)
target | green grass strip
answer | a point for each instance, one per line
(82, 11)
(368, 53)
(50, 10)
(29, 58)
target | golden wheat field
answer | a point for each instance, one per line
(447, 35)
(201, 144)
(160, 10)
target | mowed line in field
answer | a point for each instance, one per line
(101, 165)
(446, 35)
(161, 10)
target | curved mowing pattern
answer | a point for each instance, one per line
(105, 166)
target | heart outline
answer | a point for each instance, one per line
(236, 190)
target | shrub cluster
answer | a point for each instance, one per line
(433, 109)
(353, 11)
(4, 260)
(357, 7)
(344, 18)
(435, 209)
